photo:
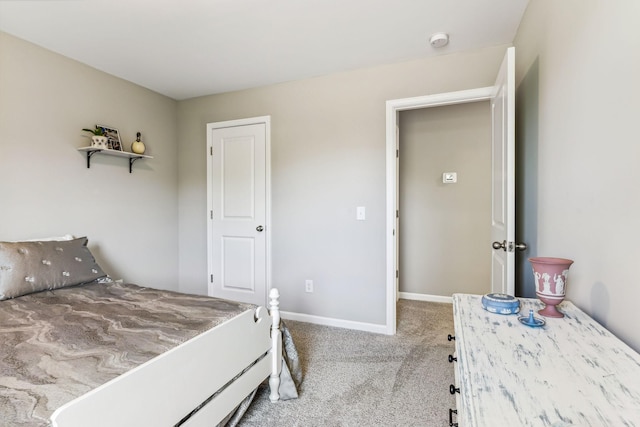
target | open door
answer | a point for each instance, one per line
(397, 229)
(503, 179)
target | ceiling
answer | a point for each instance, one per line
(189, 48)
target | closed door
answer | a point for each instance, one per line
(238, 211)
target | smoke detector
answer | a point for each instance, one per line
(439, 40)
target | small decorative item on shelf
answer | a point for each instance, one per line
(113, 137)
(98, 139)
(138, 146)
(551, 282)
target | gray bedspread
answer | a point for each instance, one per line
(57, 345)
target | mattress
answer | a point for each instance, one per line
(57, 345)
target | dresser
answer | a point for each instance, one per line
(569, 372)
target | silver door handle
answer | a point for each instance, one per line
(510, 246)
(498, 245)
(259, 228)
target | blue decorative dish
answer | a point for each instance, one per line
(531, 320)
(501, 303)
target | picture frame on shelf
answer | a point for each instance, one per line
(113, 137)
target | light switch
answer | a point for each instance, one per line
(361, 213)
(449, 178)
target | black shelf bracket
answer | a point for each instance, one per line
(89, 154)
(132, 160)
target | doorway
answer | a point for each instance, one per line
(238, 217)
(444, 201)
(502, 97)
(394, 107)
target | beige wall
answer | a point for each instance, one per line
(130, 219)
(587, 67)
(445, 229)
(328, 157)
(150, 226)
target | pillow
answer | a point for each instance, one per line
(27, 267)
(47, 239)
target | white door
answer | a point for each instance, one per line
(238, 211)
(503, 178)
(397, 230)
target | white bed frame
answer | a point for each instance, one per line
(167, 388)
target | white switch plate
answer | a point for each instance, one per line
(361, 213)
(449, 178)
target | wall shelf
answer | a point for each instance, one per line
(131, 156)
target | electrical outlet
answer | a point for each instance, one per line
(308, 286)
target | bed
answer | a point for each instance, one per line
(78, 349)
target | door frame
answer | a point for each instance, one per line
(266, 120)
(393, 108)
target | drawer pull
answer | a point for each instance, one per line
(451, 412)
(451, 337)
(453, 389)
(452, 359)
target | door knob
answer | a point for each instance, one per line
(509, 247)
(259, 228)
(498, 245)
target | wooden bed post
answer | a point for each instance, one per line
(276, 348)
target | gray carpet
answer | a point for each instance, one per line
(354, 378)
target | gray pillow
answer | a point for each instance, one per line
(27, 267)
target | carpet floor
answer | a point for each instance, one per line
(354, 378)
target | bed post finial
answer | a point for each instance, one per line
(276, 345)
(274, 307)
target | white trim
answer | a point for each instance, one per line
(233, 123)
(393, 107)
(425, 297)
(338, 323)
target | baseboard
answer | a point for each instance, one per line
(360, 326)
(338, 323)
(425, 297)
